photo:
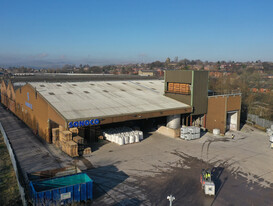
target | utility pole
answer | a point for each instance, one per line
(171, 199)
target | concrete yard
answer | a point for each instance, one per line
(146, 173)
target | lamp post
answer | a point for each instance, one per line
(171, 199)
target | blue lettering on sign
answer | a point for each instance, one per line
(70, 124)
(86, 123)
(83, 123)
(28, 105)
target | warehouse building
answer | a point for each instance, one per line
(89, 106)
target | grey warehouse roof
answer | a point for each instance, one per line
(98, 99)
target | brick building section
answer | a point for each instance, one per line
(42, 117)
(8, 96)
(218, 108)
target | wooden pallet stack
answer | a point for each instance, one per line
(70, 148)
(87, 151)
(55, 135)
(67, 144)
(65, 136)
(78, 139)
(74, 130)
(70, 142)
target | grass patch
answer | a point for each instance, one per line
(9, 192)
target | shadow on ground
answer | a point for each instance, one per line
(111, 187)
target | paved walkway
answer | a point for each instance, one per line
(33, 153)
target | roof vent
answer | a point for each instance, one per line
(51, 93)
(74, 84)
(69, 92)
(122, 90)
(151, 82)
(59, 85)
(42, 85)
(139, 89)
(87, 92)
(92, 84)
(105, 90)
(109, 84)
(123, 83)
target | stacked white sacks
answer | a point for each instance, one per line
(190, 133)
(123, 135)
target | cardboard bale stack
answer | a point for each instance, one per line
(70, 148)
(55, 135)
(87, 151)
(61, 128)
(65, 136)
(75, 131)
(78, 139)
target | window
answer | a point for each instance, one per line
(179, 88)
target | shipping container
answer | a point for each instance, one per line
(62, 190)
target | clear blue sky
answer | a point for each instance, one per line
(113, 31)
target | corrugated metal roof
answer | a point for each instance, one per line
(97, 99)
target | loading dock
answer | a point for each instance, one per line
(232, 120)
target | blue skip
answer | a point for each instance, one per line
(62, 190)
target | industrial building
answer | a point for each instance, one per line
(89, 106)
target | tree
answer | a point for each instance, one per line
(168, 60)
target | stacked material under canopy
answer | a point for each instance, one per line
(70, 148)
(55, 135)
(123, 135)
(190, 133)
(78, 139)
(63, 140)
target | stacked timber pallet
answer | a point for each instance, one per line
(123, 135)
(70, 148)
(78, 139)
(69, 141)
(63, 140)
(81, 147)
(74, 130)
(55, 135)
(190, 133)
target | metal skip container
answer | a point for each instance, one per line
(62, 190)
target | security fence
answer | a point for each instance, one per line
(259, 121)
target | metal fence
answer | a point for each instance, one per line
(259, 121)
(12, 157)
